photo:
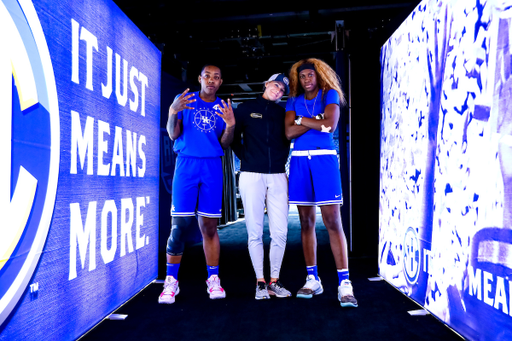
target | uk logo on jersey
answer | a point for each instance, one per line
(205, 119)
(29, 148)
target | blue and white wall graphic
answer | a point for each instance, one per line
(446, 163)
(79, 177)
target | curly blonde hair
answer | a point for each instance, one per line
(326, 77)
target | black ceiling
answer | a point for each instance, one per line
(251, 40)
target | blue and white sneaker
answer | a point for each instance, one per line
(346, 294)
(312, 287)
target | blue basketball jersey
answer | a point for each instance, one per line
(313, 139)
(202, 128)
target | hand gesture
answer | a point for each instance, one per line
(227, 113)
(181, 102)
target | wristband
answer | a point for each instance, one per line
(298, 120)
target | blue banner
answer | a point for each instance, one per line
(446, 164)
(79, 178)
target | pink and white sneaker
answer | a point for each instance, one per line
(214, 289)
(171, 289)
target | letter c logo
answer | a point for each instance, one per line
(29, 148)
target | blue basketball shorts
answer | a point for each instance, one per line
(314, 179)
(197, 187)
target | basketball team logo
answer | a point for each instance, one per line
(411, 259)
(205, 119)
(29, 148)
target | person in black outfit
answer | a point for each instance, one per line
(262, 147)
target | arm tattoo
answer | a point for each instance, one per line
(227, 137)
(172, 123)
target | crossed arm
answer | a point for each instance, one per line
(327, 125)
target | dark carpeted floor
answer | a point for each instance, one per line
(382, 313)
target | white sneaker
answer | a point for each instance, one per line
(312, 287)
(171, 289)
(214, 288)
(346, 294)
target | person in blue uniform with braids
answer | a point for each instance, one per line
(312, 114)
(202, 125)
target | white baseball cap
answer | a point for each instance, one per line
(280, 77)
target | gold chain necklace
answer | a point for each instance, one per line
(306, 105)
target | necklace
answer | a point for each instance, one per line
(306, 104)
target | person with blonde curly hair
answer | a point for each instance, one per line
(312, 114)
